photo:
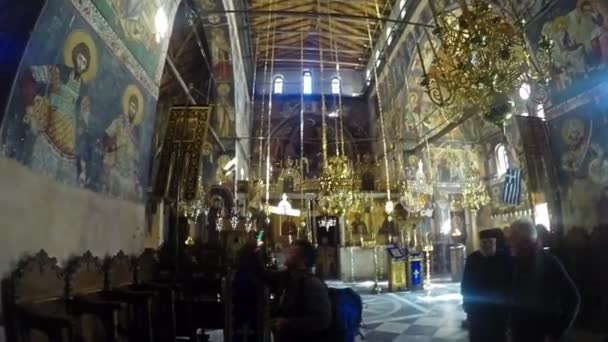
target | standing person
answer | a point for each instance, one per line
(487, 275)
(545, 300)
(303, 312)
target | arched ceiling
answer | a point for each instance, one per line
(317, 24)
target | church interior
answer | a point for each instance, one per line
(143, 143)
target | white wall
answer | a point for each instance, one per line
(352, 81)
(39, 213)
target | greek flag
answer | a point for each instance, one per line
(511, 191)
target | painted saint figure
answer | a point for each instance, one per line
(289, 228)
(58, 110)
(358, 225)
(121, 159)
(134, 18)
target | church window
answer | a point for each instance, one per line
(307, 82)
(502, 159)
(389, 38)
(540, 111)
(278, 85)
(402, 6)
(335, 85)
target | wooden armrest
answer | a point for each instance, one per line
(128, 296)
(94, 306)
(38, 319)
(159, 284)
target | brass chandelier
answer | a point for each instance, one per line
(339, 183)
(483, 58)
(474, 192)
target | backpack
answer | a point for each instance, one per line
(347, 311)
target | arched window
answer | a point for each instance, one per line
(278, 85)
(502, 159)
(335, 85)
(307, 82)
(402, 7)
(540, 111)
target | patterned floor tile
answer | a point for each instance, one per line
(430, 321)
(450, 333)
(423, 330)
(380, 336)
(393, 327)
(412, 338)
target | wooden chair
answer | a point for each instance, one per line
(148, 278)
(33, 302)
(119, 279)
(86, 283)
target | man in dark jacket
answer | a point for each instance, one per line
(303, 311)
(485, 288)
(545, 300)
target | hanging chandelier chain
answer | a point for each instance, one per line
(334, 45)
(380, 109)
(266, 81)
(302, 104)
(253, 88)
(323, 106)
(269, 120)
(337, 110)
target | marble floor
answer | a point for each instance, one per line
(430, 315)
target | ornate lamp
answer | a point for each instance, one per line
(339, 186)
(484, 57)
(192, 209)
(474, 194)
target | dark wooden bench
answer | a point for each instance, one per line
(86, 283)
(148, 277)
(136, 320)
(39, 306)
(33, 301)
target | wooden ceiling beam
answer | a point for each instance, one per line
(315, 14)
(262, 34)
(270, 15)
(311, 61)
(342, 27)
(265, 5)
(297, 48)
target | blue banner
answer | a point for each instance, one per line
(416, 272)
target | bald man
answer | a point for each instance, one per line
(545, 300)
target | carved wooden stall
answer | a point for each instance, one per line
(40, 304)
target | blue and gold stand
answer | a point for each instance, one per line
(396, 269)
(415, 271)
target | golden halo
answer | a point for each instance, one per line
(412, 98)
(573, 131)
(133, 90)
(75, 38)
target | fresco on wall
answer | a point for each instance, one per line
(580, 148)
(134, 23)
(76, 114)
(449, 162)
(579, 30)
(220, 44)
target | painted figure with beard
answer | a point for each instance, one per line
(593, 31)
(58, 110)
(135, 17)
(121, 159)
